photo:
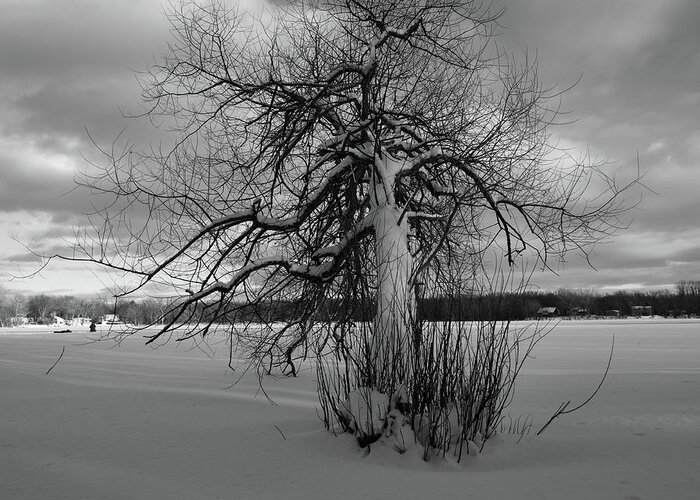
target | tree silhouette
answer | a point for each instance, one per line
(341, 150)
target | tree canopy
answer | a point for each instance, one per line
(332, 147)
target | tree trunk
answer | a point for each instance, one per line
(396, 304)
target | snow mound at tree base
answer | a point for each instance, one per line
(376, 420)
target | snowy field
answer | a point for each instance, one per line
(132, 422)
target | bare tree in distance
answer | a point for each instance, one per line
(339, 152)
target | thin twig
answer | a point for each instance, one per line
(63, 350)
(563, 407)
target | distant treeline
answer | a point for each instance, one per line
(43, 308)
(508, 306)
(683, 301)
(582, 303)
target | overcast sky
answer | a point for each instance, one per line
(68, 65)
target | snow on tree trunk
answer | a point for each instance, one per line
(395, 301)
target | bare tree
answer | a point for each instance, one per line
(688, 292)
(332, 155)
(39, 307)
(6, 309)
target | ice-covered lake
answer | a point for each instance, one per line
(132, 422)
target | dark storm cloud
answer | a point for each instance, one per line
(82, 38)
(64, 66)
(65, 109)
(638, 94)
(69, 65)
(639, 63)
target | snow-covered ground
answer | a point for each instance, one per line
(132, 422)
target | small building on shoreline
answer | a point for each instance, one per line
(641, 311)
